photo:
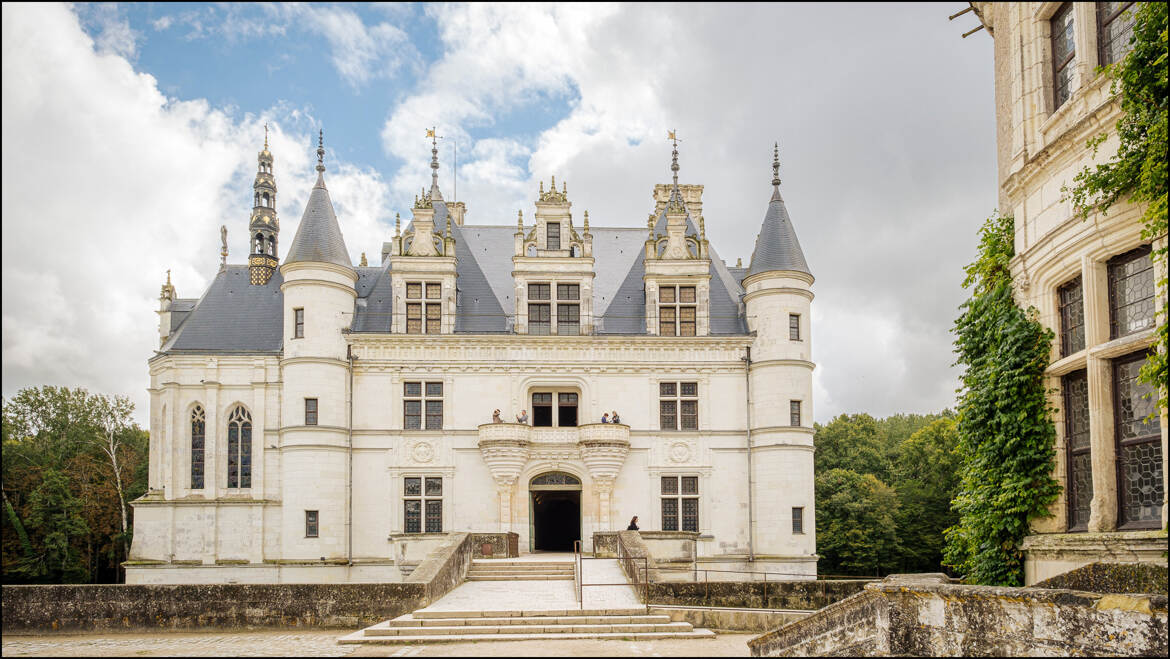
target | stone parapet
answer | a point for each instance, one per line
(1050, 554)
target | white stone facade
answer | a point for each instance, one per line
(1041, 147)
(352, 464)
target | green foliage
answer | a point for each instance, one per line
(856, 531)
(1005, 435)
(914, 454)
(56, 513)
(54, 436)
(1138, 170)
(926, 478)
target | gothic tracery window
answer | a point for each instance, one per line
(198, 437)
(1140, 480)
(239, 448)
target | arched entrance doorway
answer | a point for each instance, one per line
(555, 511)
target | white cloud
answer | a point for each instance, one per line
(107, 184)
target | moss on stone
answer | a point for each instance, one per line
(1112, 578)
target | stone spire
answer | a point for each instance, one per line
(319, 237)
(435, 194)
(264, 227)
(776, 245)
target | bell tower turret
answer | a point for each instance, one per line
(264, 225)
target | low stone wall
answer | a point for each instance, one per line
(503, 545)
(729, 619)
(605, 544)
(793, 595)
(119, 607)
(445, 567)
(925, 615)
(1112, 578)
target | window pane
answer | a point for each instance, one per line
(1076, 410)
(434, 318)
(568, 319)
(567, 399)
(668, 415)
(198, 435)
(1131, 292)
(310, 523)
(412, 487)
(414, 319)
(412, 516)
(434, 291)
(435, 516)
(686, 322)
(412, 388)
(798, 520)
(246, 454)
(670, 514)
(690, 414)
(666, 294)
(434, 415)
(1063, 53)
(310, 411)
(538, 291)
(666, 389)
(233, 455)
(670, 484)
(666, 321)
(414, 291)
(299, 330)
(1080, 490)
(568, 292)
(434, 389)
(686, 293)
(690, 514)
(542, 398)
(539, 316)
(1141, 482)
(434, 487)
(690, 484)
(1132, 405)
(794, 412)
(1115, 27)
(554, 235)
(793, 327)
(688, 389)
(1072, 318)
(412, 414)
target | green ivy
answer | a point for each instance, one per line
(1138, 170)
(1006, 437)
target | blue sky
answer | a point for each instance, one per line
(144, 121)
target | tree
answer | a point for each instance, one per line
(926, 478)
(55, 511)
(112, 417)
(856, 529)
(1006, 436)
(1138, 170)
(851, 441)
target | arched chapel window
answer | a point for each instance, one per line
(239, 448)
(198, 435)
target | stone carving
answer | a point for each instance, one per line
(680, 452)
(422, 452)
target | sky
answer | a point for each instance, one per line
(130, 135)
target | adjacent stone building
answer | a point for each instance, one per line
(1091, 280)
(316, 421)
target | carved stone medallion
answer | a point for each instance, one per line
(422, 452)
(680, 452)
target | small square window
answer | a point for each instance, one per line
(666, 389)
(433, 388)
(434, 291)
(414, 291)
(412, 388)
(538, 291)
(670, 484)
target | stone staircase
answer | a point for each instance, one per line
(508, 570)
(462, 626)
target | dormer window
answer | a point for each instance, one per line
(568, 315)
(676, 311)
(424, 317)
(554, 235)
(539, 313)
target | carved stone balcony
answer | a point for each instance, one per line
(601, 446)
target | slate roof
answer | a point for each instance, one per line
(319, 236)
(233, 316)
(776, 245)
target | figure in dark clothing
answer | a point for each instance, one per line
(633, 524)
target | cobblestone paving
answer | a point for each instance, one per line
(317, 643)
(323, 643)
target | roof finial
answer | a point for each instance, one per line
(320, 150)
(520, 220)
(776, 165)
(265, 135)
(434, 157)
(586, 221)
(674, 155)
(397, 224)
(363, 263)
(223, 252)
(168, 276)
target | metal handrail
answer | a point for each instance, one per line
(628, 568)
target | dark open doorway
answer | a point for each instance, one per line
(555, 511)
(556, 520)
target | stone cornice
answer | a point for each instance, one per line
(313, 360)
(792, 274)
(784, 290)
(316, 265)
(317, 282)
(784, 362)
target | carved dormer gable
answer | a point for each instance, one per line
(553, 268)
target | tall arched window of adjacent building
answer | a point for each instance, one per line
(198, 436)
(239, 448)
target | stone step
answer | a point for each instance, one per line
(360, 637)
(520, 564)
(508, 571)
(530, 629)
(534, 613)
(522, 577)
(409, 620)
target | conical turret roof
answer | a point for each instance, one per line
(319, 237)
(776, 245)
